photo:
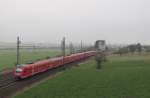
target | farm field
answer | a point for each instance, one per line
(8, 57)
(121, 77)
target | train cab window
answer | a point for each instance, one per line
(20, 65)
(19, 69)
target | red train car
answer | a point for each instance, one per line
(26, 70)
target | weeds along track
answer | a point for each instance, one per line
(6, 77)
(9, 86)
(6, 80)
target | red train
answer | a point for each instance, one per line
(26, 70)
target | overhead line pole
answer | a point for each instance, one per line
(18, 51)
(81, 46)
(71, 48)
(63, 48)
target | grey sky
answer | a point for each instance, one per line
(117, 21)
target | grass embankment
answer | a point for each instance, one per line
(121, 77)
(8, 57)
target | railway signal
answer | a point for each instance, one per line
(100, 48)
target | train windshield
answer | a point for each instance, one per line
(19, 69)
(19, 65)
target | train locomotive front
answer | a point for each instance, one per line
(22, 71)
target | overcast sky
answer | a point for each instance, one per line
(116, 21)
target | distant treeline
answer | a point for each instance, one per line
(133, 48)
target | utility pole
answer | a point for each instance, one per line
(81, 46)
(63, 47)
(71, 48)
(34, 48)
(18, 52)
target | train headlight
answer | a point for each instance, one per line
(19, 70)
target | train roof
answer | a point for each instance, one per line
(50, 59)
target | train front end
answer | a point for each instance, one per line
(19, 72)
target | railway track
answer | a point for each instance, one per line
(6, 85)
(6, 79)
(5, 75)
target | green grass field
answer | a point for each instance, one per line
(121, 77)
(8, 57)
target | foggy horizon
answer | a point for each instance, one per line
(116, 21)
